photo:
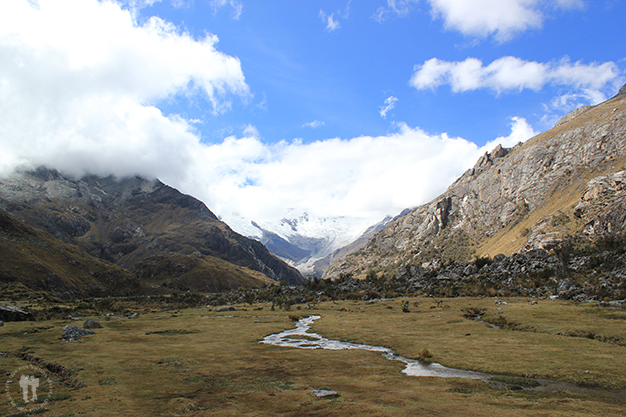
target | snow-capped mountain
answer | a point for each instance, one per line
(303, 239)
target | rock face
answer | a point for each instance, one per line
(515, 200)
(127, 221)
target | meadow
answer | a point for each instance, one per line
(202, 362)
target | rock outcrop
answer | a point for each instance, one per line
(514, 200)
(12, 313)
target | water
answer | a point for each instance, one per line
(289, 338)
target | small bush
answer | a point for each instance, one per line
(424, 355)
(294, 317)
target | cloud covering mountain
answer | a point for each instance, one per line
(85, 84)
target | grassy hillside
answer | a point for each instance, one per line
(196, 273)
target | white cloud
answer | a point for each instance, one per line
(501, 18)
(400, 8)
(511, 73)
(363, 177)
(360, 177)
(331, 24)
(521, 131)
(235, 4)
(314, 124)
(86, 103)
(390, 104)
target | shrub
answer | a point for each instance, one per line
(424, 355)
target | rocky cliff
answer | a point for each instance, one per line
(143, 226)
(563, 182)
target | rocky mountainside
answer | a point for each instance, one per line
(39, 261)
(564, 182)
(145, 227)
(322, 264)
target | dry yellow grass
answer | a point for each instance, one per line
(204, 363)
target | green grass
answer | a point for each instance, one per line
(511, 380)
(222, 370)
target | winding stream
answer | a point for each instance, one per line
(301, 338)
(289, 338)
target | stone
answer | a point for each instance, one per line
(11, 313)
(92, 324)
(224, 309)
(565, 285)
(72, 333)
(499, 257)
(470, 269)
(1, 323)
(324, 393)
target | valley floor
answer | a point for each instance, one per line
(203, 362)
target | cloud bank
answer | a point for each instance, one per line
(89, 101)
(511, 73)
(89, 104)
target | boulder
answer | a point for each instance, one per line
(92, 324)
(470, 269)
(565, 285)
(71, 333)
(324, 393)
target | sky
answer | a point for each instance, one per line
(270, 109)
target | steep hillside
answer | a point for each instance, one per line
(322, 264)
(562, 182)
(41, 262)
(127, 221)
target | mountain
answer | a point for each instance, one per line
(322, 264)
(39, 261)
(567, 181)
(302, 239)
(145, 227)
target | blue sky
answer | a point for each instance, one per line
(270, 109)
(303, 72)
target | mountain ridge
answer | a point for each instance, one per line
(126, 221)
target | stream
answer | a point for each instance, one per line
(301, 338)
(289, 338)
